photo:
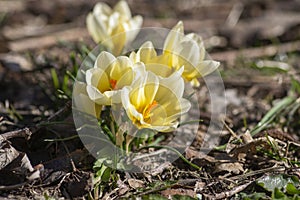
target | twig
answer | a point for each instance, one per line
(12, 187)
(52, 117)
(232, 132)
(60, 112)
(25, 133)
(260, 171)
(49, 40)
(229, 193)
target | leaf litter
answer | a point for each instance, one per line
(256, 158)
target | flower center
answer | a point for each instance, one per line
(148, 108)
(113, 83)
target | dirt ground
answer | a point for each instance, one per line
(257, 43)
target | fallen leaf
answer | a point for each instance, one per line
(234, 168)
(135, 183)
(172, 192)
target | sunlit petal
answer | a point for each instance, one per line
(113, 28)
(124, 10)
(206, 67)
(174, 37)
(155, 102)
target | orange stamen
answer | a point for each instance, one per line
(149, 107)
(113, 83)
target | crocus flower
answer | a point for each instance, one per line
(82, 102)
(109, 75)
(158, 64)
(114, 27)
(154, 102)
(188, 51)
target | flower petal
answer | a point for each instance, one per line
(174, 83)
(160, 69)
(118, 39)
(98, 79)
(146, 52)
(104, 60)
(96, 96)
(102, 9)
(122, 65)
(132, 28)
(198, 39)
(188, 52)
(173, 37)
(124, 10)
(96, 29)
(206, 67)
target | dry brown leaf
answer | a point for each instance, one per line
(135, 183)
(234, 168)
(185, 192)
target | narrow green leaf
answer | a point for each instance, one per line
(55, 78)
(272, 114)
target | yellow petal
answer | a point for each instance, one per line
(98, 78)
(102, 9)
(96, 96)
(188, 51)
(82, 102)
(174, 83)
(154, 102)
(160, 69)
(143, 90)
(147, 52)
(120, 67)
(124, 10)
(126, 79)
(104, 60)
(132, 28)
(206, 67)
(118, 39)
(174, 37)
(199, 41)
(95, 29)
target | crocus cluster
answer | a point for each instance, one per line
(147, 85)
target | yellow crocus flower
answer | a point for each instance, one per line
(109, 75)
(155, 102)
(113, 27)
(188, 51)
(179, 50)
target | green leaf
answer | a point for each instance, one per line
(271, 114)
(103, 174)
(54, 78)
(291, 189)
(278, 194)
(295, 85)
(106, 174)
(65, 84)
